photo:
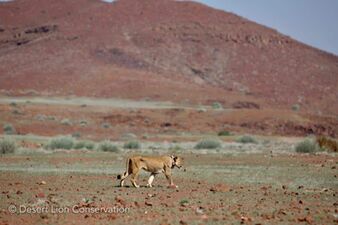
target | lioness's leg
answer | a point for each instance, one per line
(134, 178)
(151, 179)
(124, 176)
(167, 173)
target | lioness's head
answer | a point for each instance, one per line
(177, 161)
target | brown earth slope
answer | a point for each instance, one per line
(159, 49)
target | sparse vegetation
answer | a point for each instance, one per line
(217, 105)
(175, 148)
(83, 123)
(7, 146)
(105, 125)
(76, 135)
(16, 112)
(184, 202)
(84, 145)
(307, 146)
(132, 145)
(9, 129)
(40, 117)
(208, 144)
(66, 122)
(62, 142)
(224, 133)
(295, 107)
(107, 146)
(14, 104)
(246, 139)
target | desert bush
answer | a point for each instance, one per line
(105, 125)
(132, 145)
(175, 148)
(16, 112)
(40, 117)
(217, 105)
(208, 144)
(76, 135)
(107, 146)
(7, 146)
(14, 104)
(9, 129)
(246, 139)
(62, 142)
(307, 146)
(84, 145)
(224, 133)
(295, 107)
(83, 123)
(66, 122)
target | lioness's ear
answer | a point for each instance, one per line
(175, 158)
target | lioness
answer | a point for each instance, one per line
(152, 164)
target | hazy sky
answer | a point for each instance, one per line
(314, 22)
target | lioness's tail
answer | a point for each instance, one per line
(125, 174)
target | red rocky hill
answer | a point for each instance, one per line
(162, 50)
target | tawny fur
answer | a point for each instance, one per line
(152, 164)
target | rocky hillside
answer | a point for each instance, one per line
(161, 50)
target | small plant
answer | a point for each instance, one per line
(224, 133)
(76, 135)
(132, 145)
(16, 112)
(9, 129)
(83, 123)
(107, 146)
(7, 146)
(307, 146)
(40, 117)
(208, 144)
(246, 140)
(217, 105)
(105, 125)
(175, 148)
(66, 122)
(14, 104)
(295, 107)
(184, 202)
(63, 142)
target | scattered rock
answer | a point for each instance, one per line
(148, 203)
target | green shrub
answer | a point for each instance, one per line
(175, 148)
(224, 133)
(9, 129)
(132, 145)
(107, 146)
(66, 122)
(217, 105)
(83, 123)
(295, 107)
(208, 144)
(307, 146)
(7, 146)
(14, 104)
(106, 125)
(76, 135)
(63, 142)
(246, 139)
(84, 145)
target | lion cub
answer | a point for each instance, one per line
(152, 164)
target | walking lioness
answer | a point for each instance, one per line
(152, 164)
